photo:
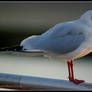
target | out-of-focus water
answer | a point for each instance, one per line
(16, 63)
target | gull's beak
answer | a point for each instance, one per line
(14, 48)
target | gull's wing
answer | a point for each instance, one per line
(60, 29)
(62, 41)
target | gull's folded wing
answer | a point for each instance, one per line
(63, 40)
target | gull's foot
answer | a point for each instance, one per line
(76, 81)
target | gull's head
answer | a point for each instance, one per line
(87, 17)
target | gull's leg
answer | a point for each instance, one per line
(72, 70)
(71, 73)
(69, 70)
(76, 81)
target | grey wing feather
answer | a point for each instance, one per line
(62, 38)
(62, 44)
(59, 29)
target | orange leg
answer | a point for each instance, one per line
(71, 73)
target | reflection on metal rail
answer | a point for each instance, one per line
(22, 82)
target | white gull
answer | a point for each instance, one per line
(65, 41)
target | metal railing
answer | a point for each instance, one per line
(21, 82)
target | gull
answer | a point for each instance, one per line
(65, 41)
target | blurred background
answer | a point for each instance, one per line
(19, 20)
